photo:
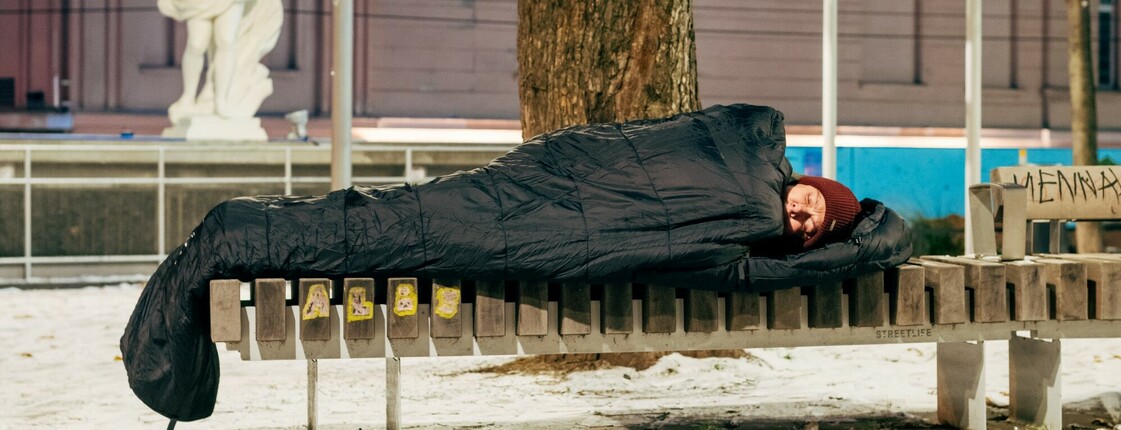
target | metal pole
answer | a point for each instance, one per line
(161, 204)
(972, 108)
(342, 89)
(27, 214)
(288, 171)
(829, 89)
(409, 165)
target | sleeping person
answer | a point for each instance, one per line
(703, 200)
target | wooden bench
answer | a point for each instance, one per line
(958, 302)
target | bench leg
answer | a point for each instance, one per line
(961, 384)
(1034, 382)
(312, 381)
(392, 393)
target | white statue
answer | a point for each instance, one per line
(231, 36)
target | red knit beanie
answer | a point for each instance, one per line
(841, 209)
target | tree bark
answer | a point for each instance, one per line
(595, 61)
(1084, 115)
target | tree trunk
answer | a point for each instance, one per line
(1084, 115)
(595, 61)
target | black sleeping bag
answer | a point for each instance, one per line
(678, 200)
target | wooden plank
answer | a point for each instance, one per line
(659, 309)
(1028, 301)
(225, 310)
(1052, 196)
(700, 311)
(742, 311)
(315, 309)
(617, 309)
(359, 296)
(575, 309)
(533, 309)
(947, 285)
(1103, 274)
(490, 308)
(784, 309)
(269, 301)
(1107, 290)
(402, 321)
(446, 320)
(866, 304)
(825, 306)
(987, 280)
(1066, 282)
(907, 289)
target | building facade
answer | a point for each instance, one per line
(901, 62)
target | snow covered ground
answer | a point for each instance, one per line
(60, 368)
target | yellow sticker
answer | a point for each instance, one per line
(318, 304)
(404, 301)
(447, 301)
(357, 307)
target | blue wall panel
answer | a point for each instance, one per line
(920, 182)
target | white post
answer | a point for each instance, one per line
(392, 393)
(312, 394)
(342, 88)
(972, 107)
(961, 384)
(1035, 382)
(829, 89)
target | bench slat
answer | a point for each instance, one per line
(907, 288)
(825, 306)
(1067, 280)
(784, 309)
(742, 311)
(446, 319)
(490, 309)
(659, 309)
(617, 309)
(533, 309)
(575, 309)
(1103, 274)
(987, 280)
(866, 304)
(359, 308)
(269, 301)
(700, 311)
(402, 321)
(947, 285)
(225, 310)
(315, 309)
(1029, 294)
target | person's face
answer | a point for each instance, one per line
(805, 211)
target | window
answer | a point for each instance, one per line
(1107, 45)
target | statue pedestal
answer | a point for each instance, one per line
(217, 128)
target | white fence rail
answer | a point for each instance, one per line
(31, 262)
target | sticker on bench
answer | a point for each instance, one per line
(447, 302)
(357, 307)
(318, 304)
(404, 299)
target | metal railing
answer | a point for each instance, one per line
(161, 181)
